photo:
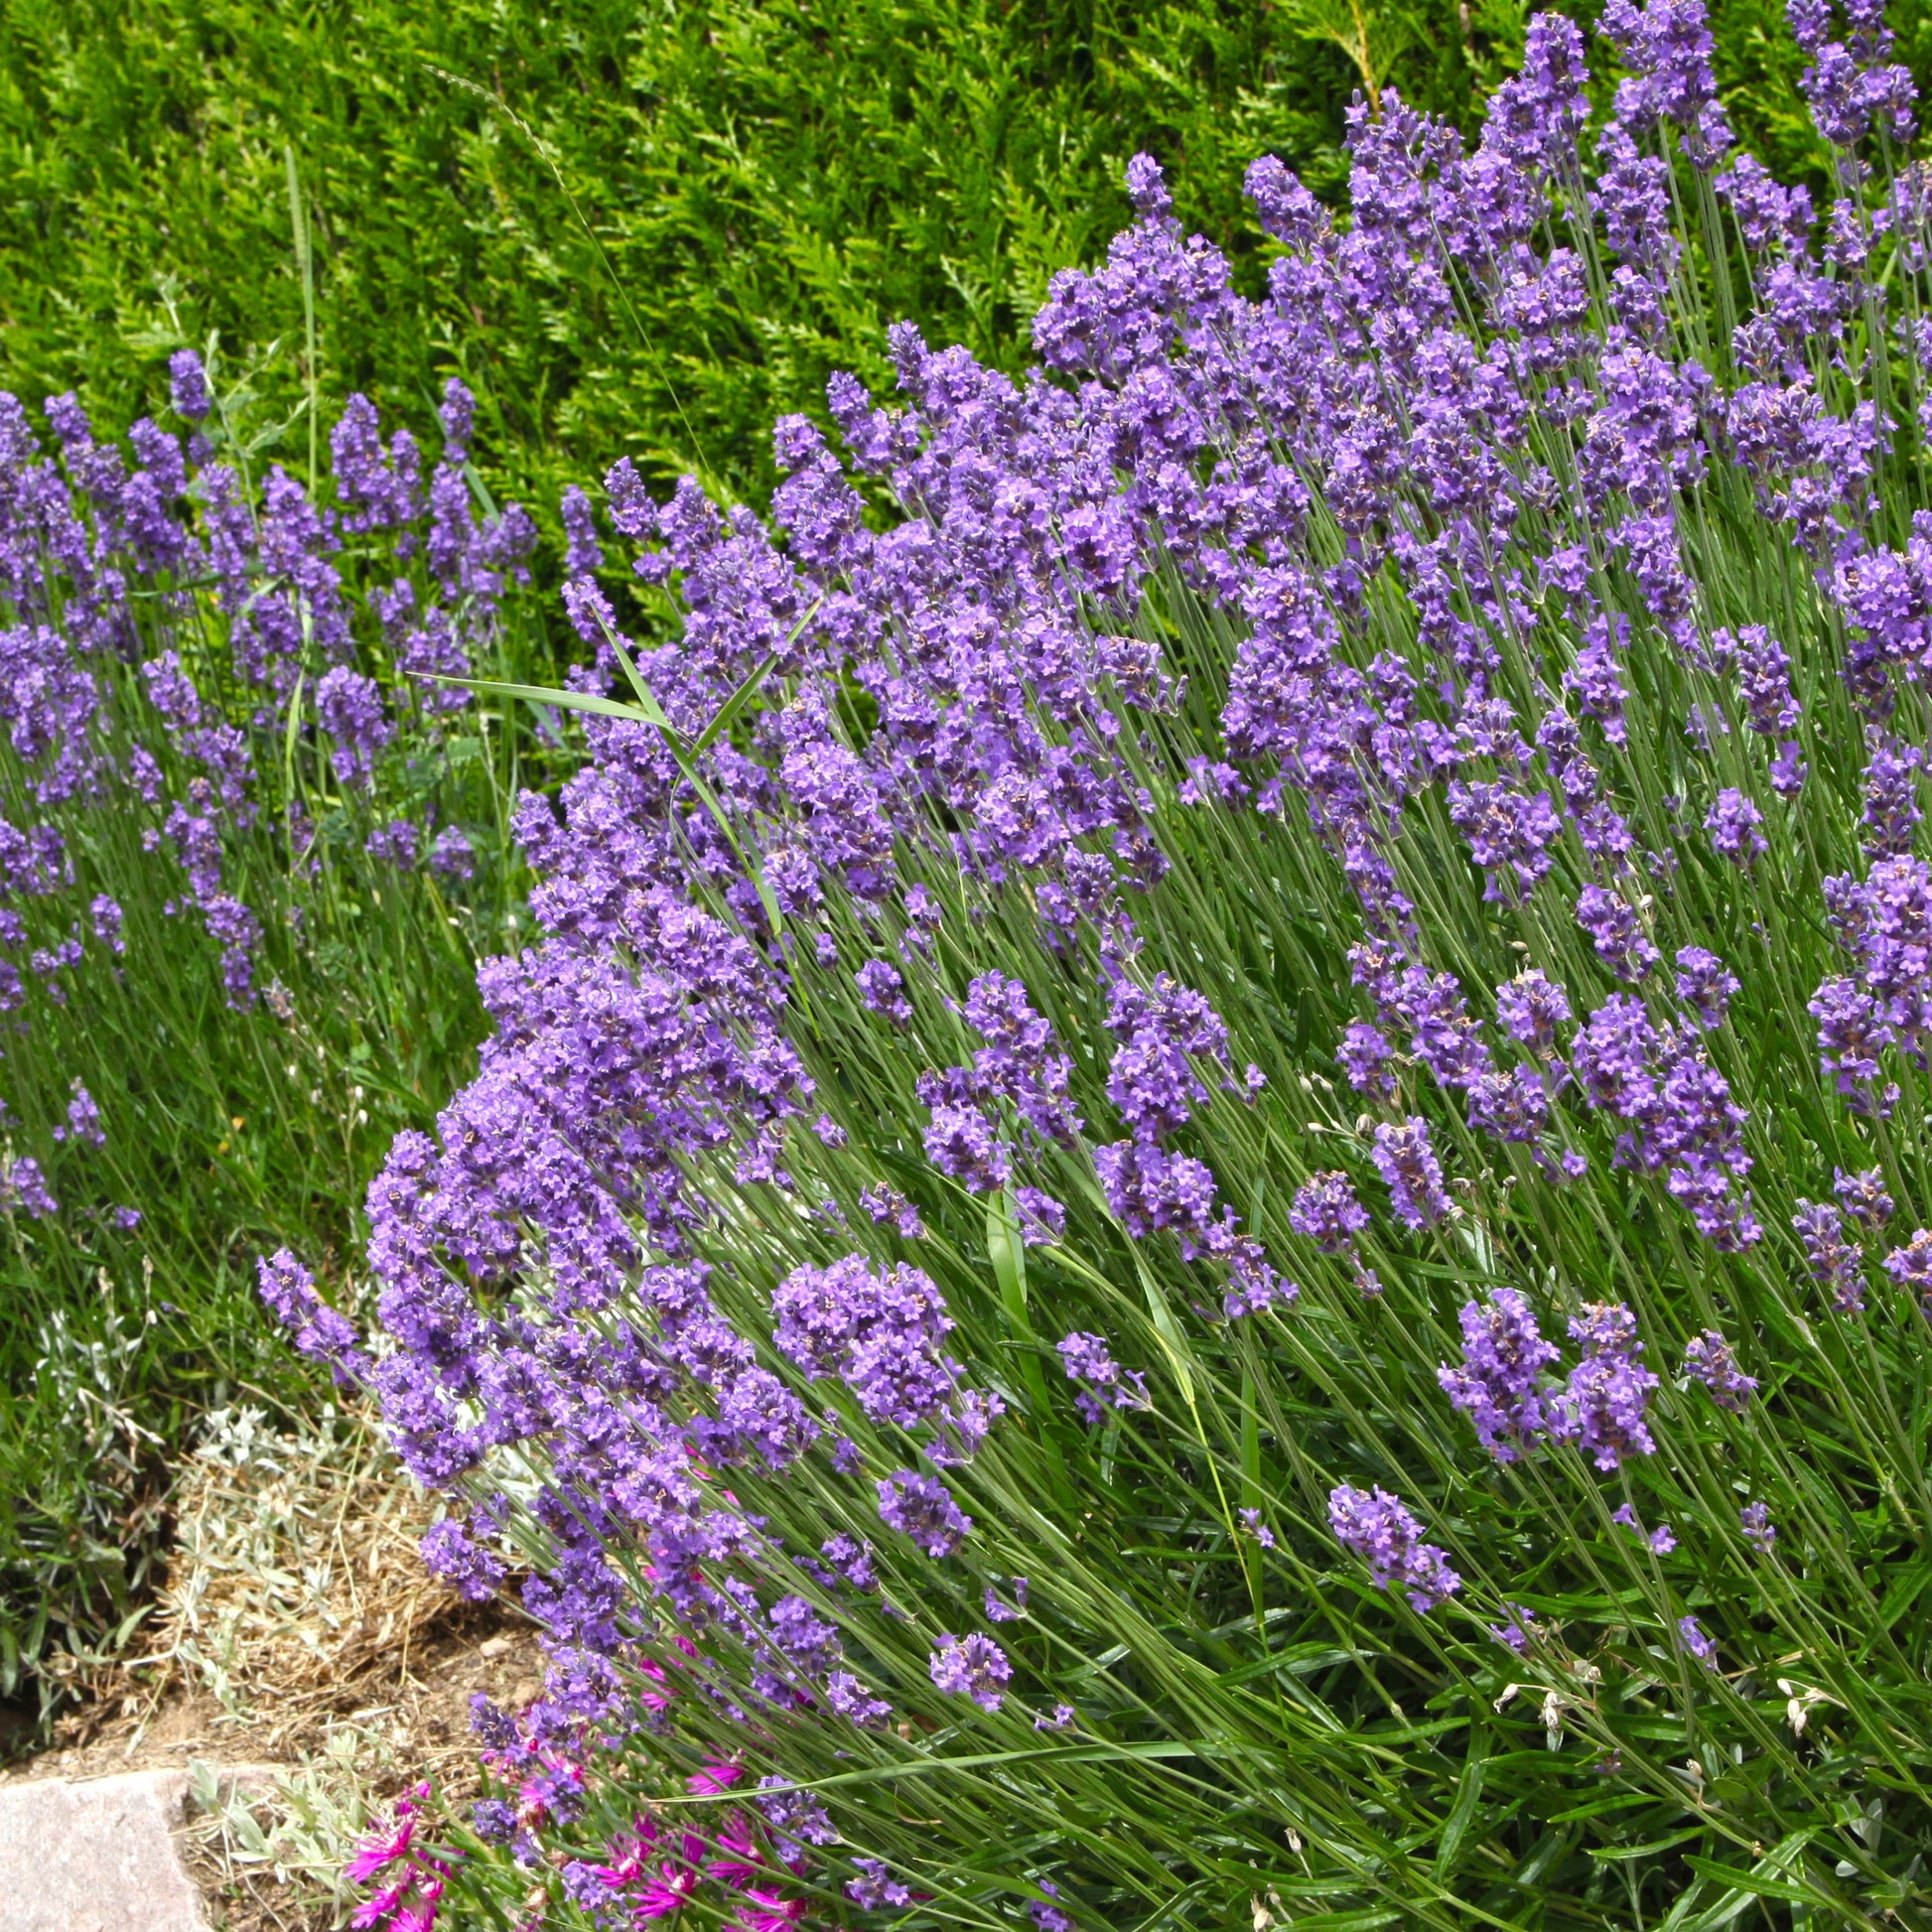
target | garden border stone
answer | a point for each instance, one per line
(97, 1855)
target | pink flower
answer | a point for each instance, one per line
(376, 1911)
(740, 1863)
(627, 1856)
(653, 1700)
(378, 1849)
(713, 1778)
(420, 1915)
(771, 1911)
(667, 1891)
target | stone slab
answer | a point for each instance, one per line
(95, 1854)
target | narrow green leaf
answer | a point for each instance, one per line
(1469, 1793)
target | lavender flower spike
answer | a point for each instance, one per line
(1602, 1405)
(1498, 1385)
(1327, 1213)
(973, 1667)
(1407, 1163)
(1376, 1527)
(1707, 1359)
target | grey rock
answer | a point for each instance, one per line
(95, 1854)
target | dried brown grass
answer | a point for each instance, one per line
(297, 1631)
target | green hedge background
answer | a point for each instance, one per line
(705, 209)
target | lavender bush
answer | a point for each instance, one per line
(1205, 1205)
(247, 860)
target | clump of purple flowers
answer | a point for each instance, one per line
(1326, 1212)
(1604, 1403)
(1103, 1382)
(1409, 1169)
(973, 1667)
(1499, 1384)
(1376, 1527)
(1707, 1359)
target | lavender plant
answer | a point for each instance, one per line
(1205, 1202)
(248, 862)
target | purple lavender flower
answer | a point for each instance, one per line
(394, 844)
(963, 1143)
(450, 1553)
(1041, 1218)
(889, 1205)
(1327, 1213)
(1617, 933)
(1049, 1917)
(1499, 1383)
(1863, 1195)
(319, 1331)
(1704, 985)
(1692, 1636)
(1835, 1261)
(1852, 1032)
(1733, 823)
(882, 1331)
(458, 415)
(582, 553)
(1375, 1527)
(1764, 678)
(1363, 1055)
(382, 489)
(1891, 812)
(1530, 1009)
(1667, 46)
(1163, 1030)
(236, 929)
(452, 856)
(1262, 1534)
(1518, 1631)
(188, 392)
(1912, 1265)
(1707, 1359)
(350, 709)
(1000, 1612)
(82, 1124)
(882, 989)
(849, 1698)
(973, 1667)
(1595, 679)
(876, 1888)
(848, 1562)
(23, 1188)
(1513, 1106)
(1442, 1036)
(1147, 1188)
(106, 915)
(921, 1507)
(1087, 1360)
(1509, 835)
(1759, 1530)
(1661, 1541)
(1601, 1408)
(1408, 1166)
